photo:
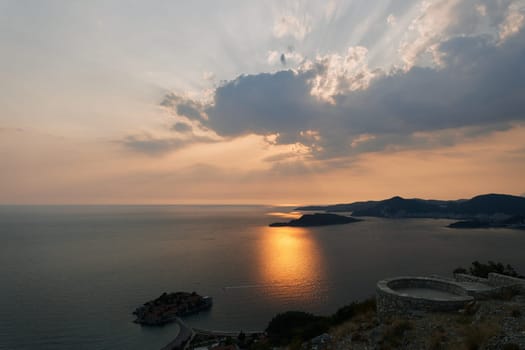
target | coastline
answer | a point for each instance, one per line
(187, 334)
(183, 338)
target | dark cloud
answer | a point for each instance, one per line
(480, 89)
(181, 127)
(281, 157)
(183, 107)
(283, 59)
(468, 18)
(154, 146)
(150, 145)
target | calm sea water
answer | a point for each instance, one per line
(71, 276)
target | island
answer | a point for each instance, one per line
(167, 307)
(514, 222)
(317, 219)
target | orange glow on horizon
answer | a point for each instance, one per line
(290, 215)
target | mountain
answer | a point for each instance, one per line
(309, 220)
(515, 222)
(488, 205)
(493, 204)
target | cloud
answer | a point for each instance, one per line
(427, 30)
(292, 26)
(338, 74)
(282, 58)
(150, 145)
(391, 20)
(337, 106)
(442, 20)
(155, 146)
(208, 76)
(186, 107)
(182, 127)
(482, 9)
(512, 24)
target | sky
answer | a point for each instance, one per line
(270, 102)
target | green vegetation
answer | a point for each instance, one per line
(482, 270)
(346, 312)
(242, 340)
(294, 327)
(291, 326)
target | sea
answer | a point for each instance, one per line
(70, 276)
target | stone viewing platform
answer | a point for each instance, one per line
(167, 307)
(400, 295)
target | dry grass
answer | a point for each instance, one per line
(507, 294)
(437, 339)
(471, 308)
(471, 329)
(515, 312)
(475, 336)
(511, 346)
(393, 333)
(343, 330)
(357, 327)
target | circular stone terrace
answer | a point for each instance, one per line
(404, 294)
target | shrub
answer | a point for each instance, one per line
(482, 270)
(460, 270)
(349, 311)
(295, 325)
(515, 313)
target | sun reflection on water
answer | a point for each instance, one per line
(289, 262)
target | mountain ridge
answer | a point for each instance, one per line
(485, 205)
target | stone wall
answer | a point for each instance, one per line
(461, 277)
(391, 302)
(499, 280)
(425, 282)
(501, 285)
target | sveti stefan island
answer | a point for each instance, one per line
(262, 175)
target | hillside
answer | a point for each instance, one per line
(487, 205)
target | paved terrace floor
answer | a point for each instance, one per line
(429, 293)
(475, 287)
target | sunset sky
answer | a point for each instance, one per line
(274, 102)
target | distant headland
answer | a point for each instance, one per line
(318, 219)
(488, 210)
